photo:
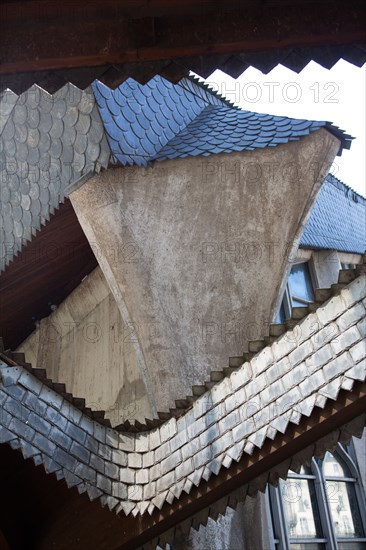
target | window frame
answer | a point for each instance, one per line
(359, 493)
(281, 539)
(287, 298)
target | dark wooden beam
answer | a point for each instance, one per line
(45, 272)
(126, 533)
(3, 542)
(40, 36)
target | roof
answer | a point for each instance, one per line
(144, 474)
(337, 220)
(47, 143)
(49, 44)
(264, 60)
(140, 119)
(160, 121)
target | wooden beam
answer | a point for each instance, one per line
(127, 533)
(45, 36)
(3, 543)
(47, 269)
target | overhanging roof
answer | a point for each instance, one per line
(50, 142)
(52, 43)
(159, 121)
(250, 428)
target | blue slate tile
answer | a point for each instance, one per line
(162, 120)
(113, 106)
(278, 140)
(5, 435)
(21, 429)
(39, 424)
(334, 223)
(80, 452)
(103, 91)
(61, 439)
(123, 125)
(44, 444)
(300, 133)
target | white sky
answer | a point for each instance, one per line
(337, 95)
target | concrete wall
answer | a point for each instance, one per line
(195, 250)
(86, 345)
(327, 263)
(326, 267)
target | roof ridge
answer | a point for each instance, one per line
(209, 89)
(245, 135)
(339, 184)
(145, 157)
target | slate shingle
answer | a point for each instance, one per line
(337, 220)
(46, 143)
(212, 435)
(141, 119)
(160, 120)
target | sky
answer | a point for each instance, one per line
(337, 95)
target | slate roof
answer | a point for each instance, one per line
(337, 220)
(49, 142)
(160, 121)
(139, 473)
(46, 143)
(141, 119)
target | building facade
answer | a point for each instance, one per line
(215, 335)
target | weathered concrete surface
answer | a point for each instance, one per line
(86, 345)
(327, 266)
(195, 251)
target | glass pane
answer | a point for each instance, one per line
(344, 509)
(281, 315)
(333, 467)
(299, 283)
(301, 511)
(307, 546)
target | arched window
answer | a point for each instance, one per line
(341, 487)
(320, 508)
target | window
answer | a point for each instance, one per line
(320, 508)
(341, 495)
(299, 291)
